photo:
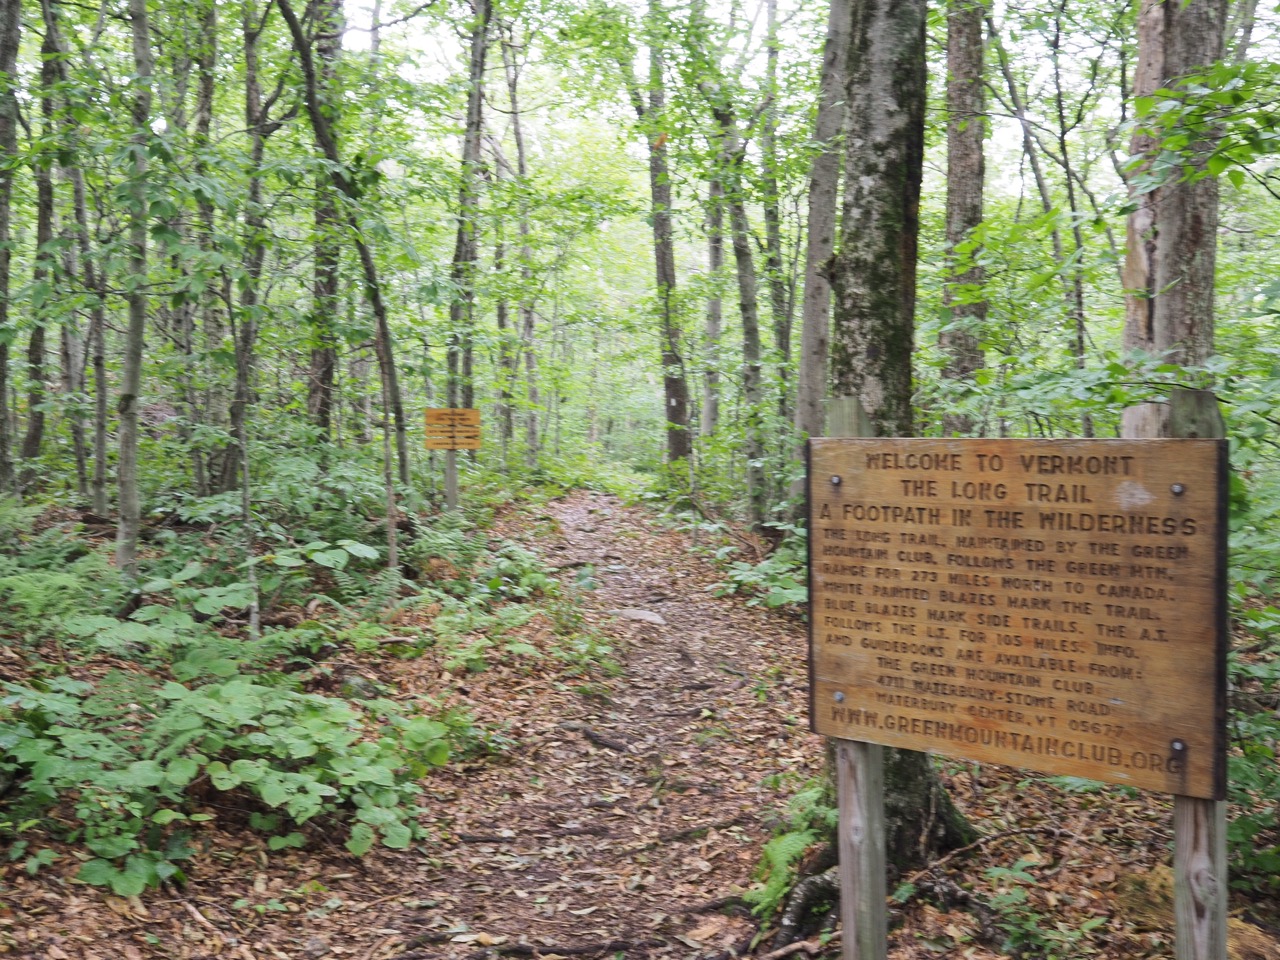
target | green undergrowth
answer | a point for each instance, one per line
(779, 580)
(810, 817)
(150, 713)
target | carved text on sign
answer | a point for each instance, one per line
(1057, 605)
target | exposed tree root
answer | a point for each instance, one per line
(810, 948)
(796, 920)
(811, 890)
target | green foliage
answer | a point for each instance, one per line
(445, 550)
(810, 818)
(15, 521)
(1027, 933)
(467, 631)
(780, 579)
(1253, 774)
(780, 856)
(466, 564)
(36, 601)
(514, 573)
(132, 784)
(1220, 121)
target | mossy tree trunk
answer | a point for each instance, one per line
(874, 279)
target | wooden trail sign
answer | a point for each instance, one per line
(1057, 605)
(452, 428)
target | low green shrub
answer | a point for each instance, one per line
(37, 601)
(780, 579)
(129, 759)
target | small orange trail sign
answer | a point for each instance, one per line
(450, 428)
(1057, 605)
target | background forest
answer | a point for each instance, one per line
(244, 245)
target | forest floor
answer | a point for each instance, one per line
(621, 814)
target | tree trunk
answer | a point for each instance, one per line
(651, 113)
(43, 276)
(175, 319)
(131, 371)
(1075, 295)
(363, 406)
(1169, 275)
(824, 177)
(874, 281)
(965, 170)
(1019, 110)
(675, 386)
(775, 270)
(1072, 281)
(96, 337)
(93, 282)
(709, 421)
(72, 359)
(1244, 16)
(465, 254)
(731, 159)
(752, 367)
(10, 33)
(508, 356)
(462, 309)
(327, 255)
(244, 320)
(1172, 231)
(874, 272)
(527, 313)
(208, 402)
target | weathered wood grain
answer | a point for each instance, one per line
(1054, 605)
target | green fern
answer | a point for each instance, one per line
(15, 520)
(810, 816)
(37, 602)
(780, 855)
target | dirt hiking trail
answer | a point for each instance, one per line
(634, 806)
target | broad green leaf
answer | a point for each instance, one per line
(437, 754)
(249, 771)
(397, 836)
(361, 550)
(274, 791)
(334, 559)
(189, 572)
(130, 882)
(97, 872)
(112, 846)
(221, 777)
(146, 773)
(421, 730)
(361, 839)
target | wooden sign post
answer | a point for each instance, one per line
(452, 429)
(859, 768)
(1057, 605)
